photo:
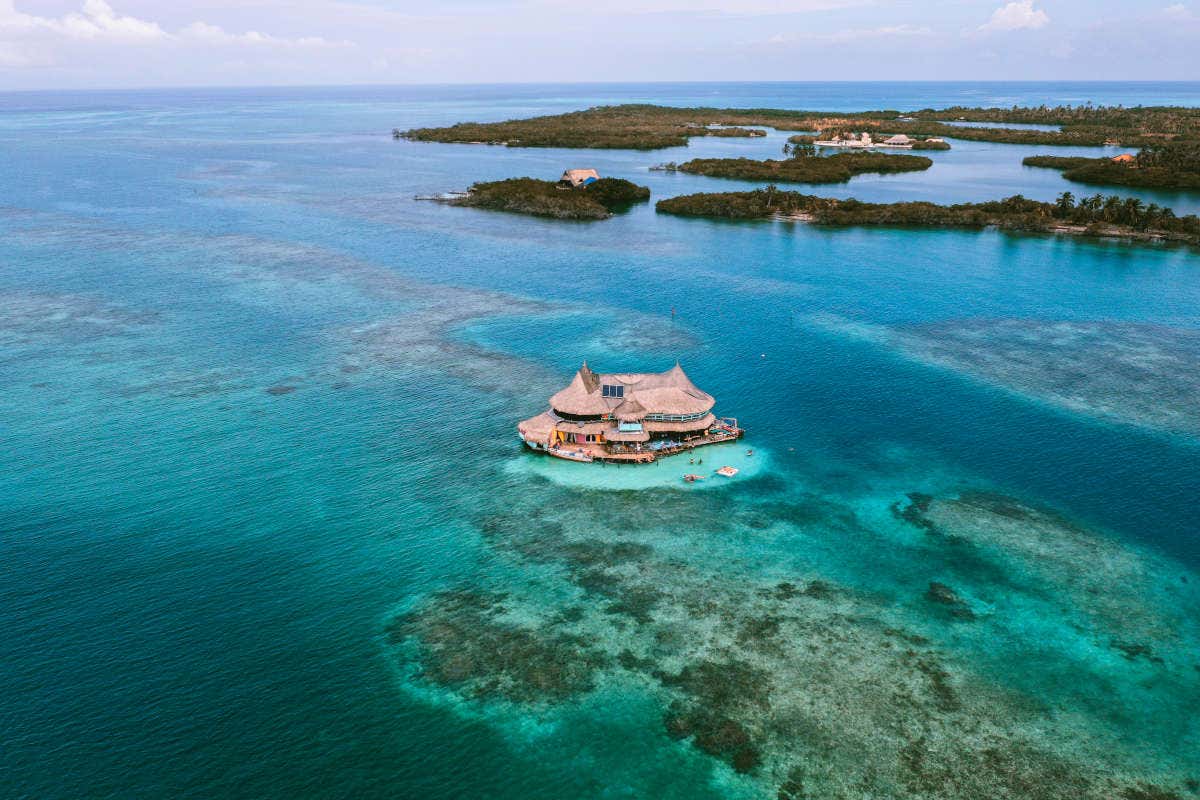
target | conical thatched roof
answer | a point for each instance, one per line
(582, 396)
(642, 393)
(630, 410)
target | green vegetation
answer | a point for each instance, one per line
(918, 128)
(805, 169)
(926, 144)
(1169, 122)
(632, 127)
(1173, 166)
(650, 127)
(1091, 216)
(1059, 162)
(598, 200)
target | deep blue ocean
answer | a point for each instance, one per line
(259, 401)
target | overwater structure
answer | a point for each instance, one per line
(627, 417)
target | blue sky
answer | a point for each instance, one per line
(127, 43)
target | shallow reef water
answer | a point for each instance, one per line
(30, 320)
(665, 472)
(845, 679)
(1131, 373)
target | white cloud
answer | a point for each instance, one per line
(1177, 11)
(1015, 16)
(99, 20)
(95, 20)
(29, 40)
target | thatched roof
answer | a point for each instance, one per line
(670, 392)
(630, 410)
(539, 428)
(582, 396)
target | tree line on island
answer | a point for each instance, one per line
(1164, 166)
(803, 166)
(1092, 216)
(651, 127)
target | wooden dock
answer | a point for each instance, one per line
(632, 454)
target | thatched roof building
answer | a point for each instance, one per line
(597, 410)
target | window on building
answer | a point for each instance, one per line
(607, 390)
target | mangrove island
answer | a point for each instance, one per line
(1098, 216)
(837, 168)
(1172, 166)
(579, 195)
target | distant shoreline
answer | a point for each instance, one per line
(646, 126)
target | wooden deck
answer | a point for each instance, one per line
(616, 453)
(629, 454)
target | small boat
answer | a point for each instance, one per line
(690, 478)
(727, 471)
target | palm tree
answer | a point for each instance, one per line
(1131, 211)
(1065, 203)
(1112, 204)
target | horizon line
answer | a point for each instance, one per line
(254, 87)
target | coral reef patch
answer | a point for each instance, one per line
(468, 644)
(818, 681)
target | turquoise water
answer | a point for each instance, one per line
(258, 421)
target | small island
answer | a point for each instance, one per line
(1159, 167)
(627, 417)
(581, 194)
(837, 168)
(653, 127)
(1097, 216)
(628, 127)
